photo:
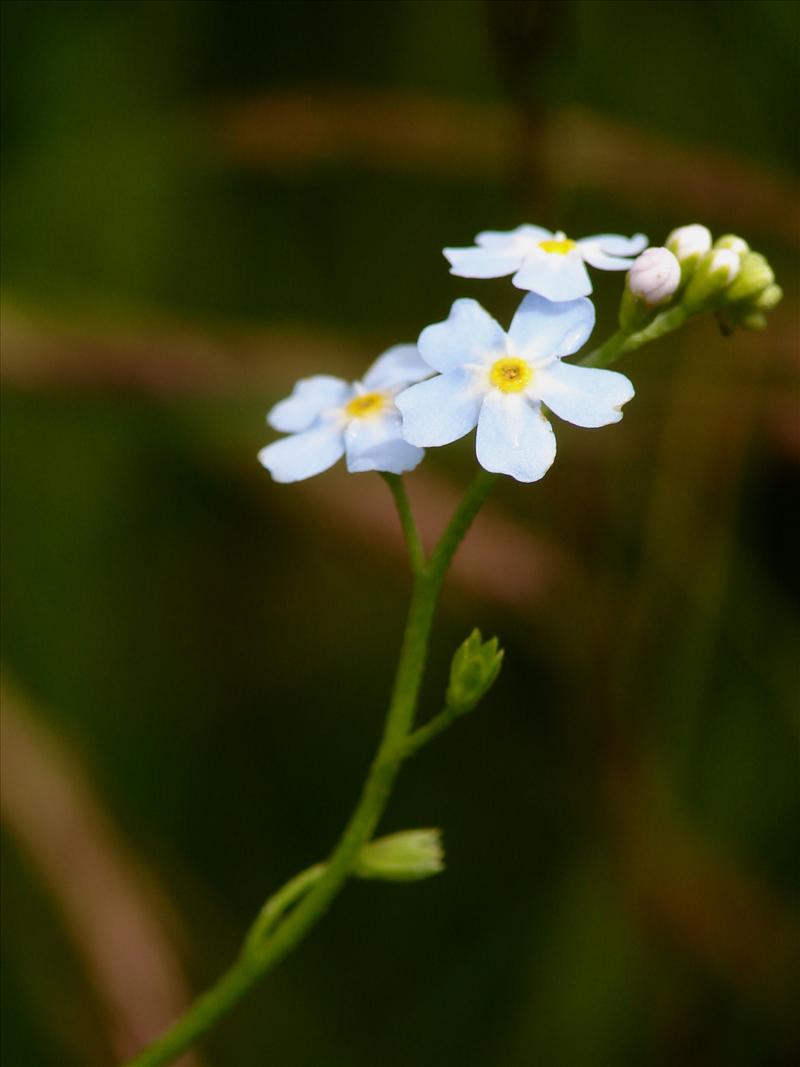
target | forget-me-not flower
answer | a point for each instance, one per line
(543, 262)
(500, 381)
(328, 418)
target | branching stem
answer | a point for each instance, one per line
(289, 915)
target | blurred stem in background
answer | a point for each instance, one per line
(524, 34)
(316, 888)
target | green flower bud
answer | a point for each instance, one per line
(768, 298)
(403, 857)
(754, 276)
(473, 670)
(734, 243)
(715, 272)
(754, 320)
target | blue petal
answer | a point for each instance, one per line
(483, 262)
(541, 329)
(554, 276)
(310, 397)
(584, 396)
(514, 437)
(596, 257)
(303, 454)
(468, 335)
(441, 410)
(376, 444)
(398, 366)
(617, 245)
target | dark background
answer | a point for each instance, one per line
(204, 201)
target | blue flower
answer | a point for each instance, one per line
(500, 381)
(328, 418)
(543, 262)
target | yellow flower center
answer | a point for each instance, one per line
(365, 404)
(510, 374)
(559, 246)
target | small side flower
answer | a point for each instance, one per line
(328, 418)
(542, 261)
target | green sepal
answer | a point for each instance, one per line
(473, 670)
(755, 275)
(407, 856)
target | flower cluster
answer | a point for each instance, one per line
(468, 372)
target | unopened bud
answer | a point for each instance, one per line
(753, 320)
(654, 276)
(473, 670)
(402, 857)
(689, 242)
(732, 242)
(715, 272)
(754, 276)
(768, 298)
(653, 279)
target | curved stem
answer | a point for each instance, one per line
(471, 504)
(620, 343)
(279, 903)
(608, 352)
(260, 955)
(426, 733)
(413, 542)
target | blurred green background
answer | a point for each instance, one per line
(204, 201)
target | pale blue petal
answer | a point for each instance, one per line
(541, 329)
(483, 262)
(376, 444)
(554, 276)
(595, 257)
(617, 245)
(303, 454)
(399, 366)
(310, 397)
(514, 437)
(468, 335)
(441, 410)
(495, 239)
(584, 396)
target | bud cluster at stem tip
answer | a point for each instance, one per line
(696, 273)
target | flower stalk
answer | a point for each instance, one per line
(290, 914)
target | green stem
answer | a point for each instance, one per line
(662, 324)
(608, 352)
(279, 903)
(317, 892)
(620, 343)
(413, 542)
(423, 734)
